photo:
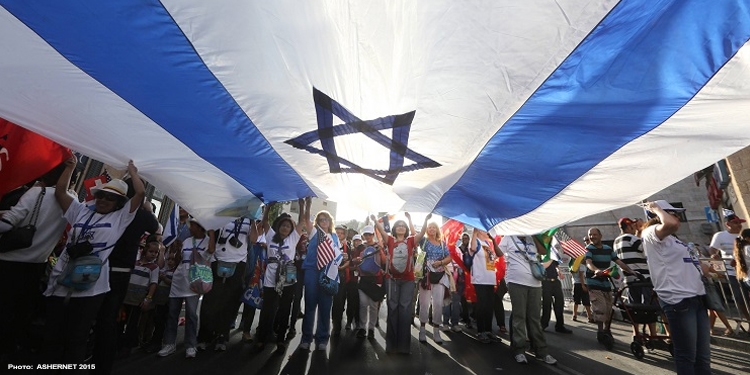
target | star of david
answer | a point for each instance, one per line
(326, 108)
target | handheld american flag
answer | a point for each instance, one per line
(569, 245)
(326, 252)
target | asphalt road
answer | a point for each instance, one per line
(577, 353)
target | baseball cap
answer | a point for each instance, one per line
(341, 226)
(729, 215)
(368, 230)
(624, 222)
(357, 237)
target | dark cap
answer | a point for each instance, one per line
(624, 222)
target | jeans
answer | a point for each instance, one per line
(452, 311)
(690, 333)
(552, 298)
(400, 308)
(526, 305)
(484, 307)
(316, 301)
(191, 320)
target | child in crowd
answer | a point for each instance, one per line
(139, 298)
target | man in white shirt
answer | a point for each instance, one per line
(525, 295)
(722, 247)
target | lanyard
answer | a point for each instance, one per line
(86, 226)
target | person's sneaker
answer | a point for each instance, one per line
(166, 350)
(521, 358)
(220, 347)
(436, 335)
(201, 346)
(563, 330)
(190, 353)
(456, 328)
(483, 338)
(445, 328)
(322, 346)
(493, 337)
(304, 345)
(422, 334)
(548, 359)
(361, 333)
(370, 333)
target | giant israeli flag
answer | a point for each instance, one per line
(518, 115)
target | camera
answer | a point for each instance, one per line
(80, 249)
(235, 242)
(222, 240)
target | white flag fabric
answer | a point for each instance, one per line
(517, 116)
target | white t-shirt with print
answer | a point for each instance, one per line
(724, 241)
(285, 251)
(482, 270)
(102, 231)
(229, 253)
(672, 267)
(181, 278)
(519, 270)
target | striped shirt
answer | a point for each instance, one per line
(602, 259)
(629, 249)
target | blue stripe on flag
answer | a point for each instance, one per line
(170, 232)
(640, 65)
(138, 52)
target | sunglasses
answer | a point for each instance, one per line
(324, 219)
(106, 196)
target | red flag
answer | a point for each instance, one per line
(325, 249)
(570, 246)
(25, 156)
(95, 181)
(452, 231)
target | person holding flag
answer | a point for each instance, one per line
(278, 282)
(322, 252)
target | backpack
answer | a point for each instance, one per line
(400, 259)
(369, 266)
(81, 273)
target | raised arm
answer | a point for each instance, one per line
(418, 237)
(412, 230)
(473, 242)
(669, 223)
(61, 188)
(140, 190)
(264, 221)
(306, 216)
(379, 228)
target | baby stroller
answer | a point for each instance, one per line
(639, 315)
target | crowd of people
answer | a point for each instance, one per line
(342, 276)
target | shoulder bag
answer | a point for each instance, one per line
(22, 237)
(537, 270)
